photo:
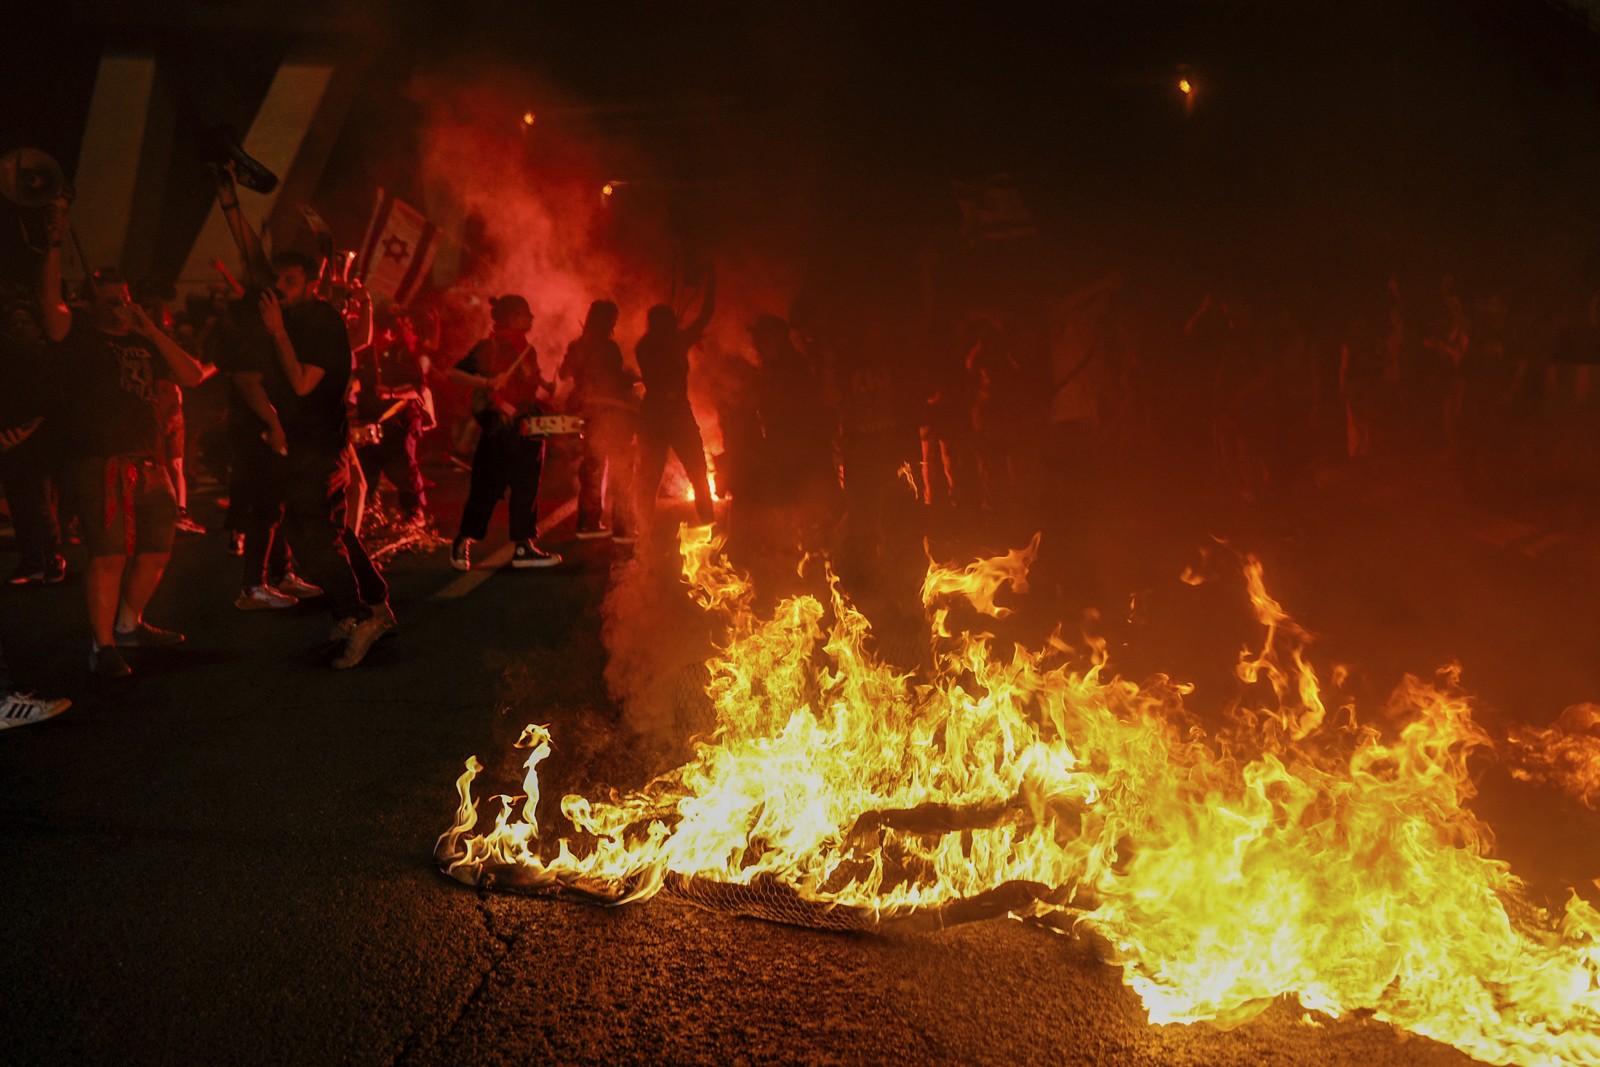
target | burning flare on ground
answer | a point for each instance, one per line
(1297, 852)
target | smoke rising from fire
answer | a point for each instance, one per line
(524, 206)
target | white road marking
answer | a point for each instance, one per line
(482, 569)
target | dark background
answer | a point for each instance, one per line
(1336, 142)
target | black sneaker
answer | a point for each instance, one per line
(106, 662)
(186, 525)
(527, 554)
(461, 554)
(146, 636)
(55, 570)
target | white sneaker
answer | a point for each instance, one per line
(264, 598)
(20, 709)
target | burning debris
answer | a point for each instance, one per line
(1297, 852)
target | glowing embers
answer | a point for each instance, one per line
(1297, 852)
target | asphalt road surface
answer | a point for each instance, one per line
(228, 859)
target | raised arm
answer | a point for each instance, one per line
(708, 306)
(56, 316)
(303, 377)
(359, 328)
(256, 267)
(186, 370)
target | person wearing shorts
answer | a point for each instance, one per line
(107, 360)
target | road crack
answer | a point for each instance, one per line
(501, 945)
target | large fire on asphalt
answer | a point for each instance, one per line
(1297, 852)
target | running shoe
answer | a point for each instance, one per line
(143, 635)
(264, 598)
(22, 709)
(461, 554)
(292, 584)
(589, 533)
(186, 525)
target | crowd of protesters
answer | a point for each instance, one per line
(308, 399)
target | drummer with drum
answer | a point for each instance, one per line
(510, 398)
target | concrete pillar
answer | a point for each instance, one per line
(108, 163)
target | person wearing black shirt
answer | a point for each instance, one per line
(394, 394)
(246, 354)
(24, 451)
(503, 373)
(666, 421)
(313, 351)
(113, 475)
(602, 392)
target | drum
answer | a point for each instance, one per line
(549, 425)
(363, 434)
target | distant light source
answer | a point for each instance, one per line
(528, 118)
(608, 189)
(1185, 86)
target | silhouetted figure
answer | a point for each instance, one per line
(876, 446)
(666, 421)
(797, 424)
(995, 380)
(603, 393)
(945, 427)
(25, 456)
(394, 394)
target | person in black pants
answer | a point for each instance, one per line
(314, 355)
(603, 393)
(246, 354)
(666, 420)
(393, 374)
(25, 455)
(503, 372)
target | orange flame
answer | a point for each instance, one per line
(1281, 856)
(1565, 754)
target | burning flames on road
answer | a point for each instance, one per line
(1300, 851)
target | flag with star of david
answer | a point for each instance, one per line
(397, 252)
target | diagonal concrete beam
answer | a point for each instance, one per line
(108, 163)
(275, 139)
